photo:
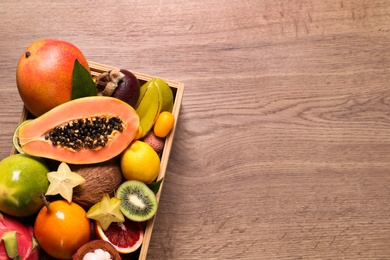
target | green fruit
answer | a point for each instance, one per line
(164, 89)
(139, 202)
(149, 107)
(167, 95)
(22, 179)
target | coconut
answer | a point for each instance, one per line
(100, 178)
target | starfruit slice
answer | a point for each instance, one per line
(167, 94)
(149, 106)
(106, 211)
(63, 181)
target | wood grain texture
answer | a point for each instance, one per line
(282, 148)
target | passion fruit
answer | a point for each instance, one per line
(22, 179)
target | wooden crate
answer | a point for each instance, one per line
(177, 89)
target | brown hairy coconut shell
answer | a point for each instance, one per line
(100, 178)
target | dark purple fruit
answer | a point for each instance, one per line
(93, 245)
(128, 88)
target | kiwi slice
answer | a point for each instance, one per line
(139, 202)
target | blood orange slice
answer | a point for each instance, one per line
(126, 236)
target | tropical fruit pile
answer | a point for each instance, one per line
(84, 181)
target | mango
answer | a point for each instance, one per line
(44, 74)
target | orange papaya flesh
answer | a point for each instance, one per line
(81, 131)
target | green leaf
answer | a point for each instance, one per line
(82, 82)
(155, 186)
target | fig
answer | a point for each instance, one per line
(94, 248)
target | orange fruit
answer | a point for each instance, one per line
(63, 229)
(164, 124)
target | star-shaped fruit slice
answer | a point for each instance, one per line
(63, 181)
(106, 211)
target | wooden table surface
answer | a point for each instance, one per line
(282, 148)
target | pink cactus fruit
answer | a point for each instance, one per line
(17, 241)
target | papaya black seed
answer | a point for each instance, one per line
(88, 133)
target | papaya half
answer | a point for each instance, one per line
(81, 131)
